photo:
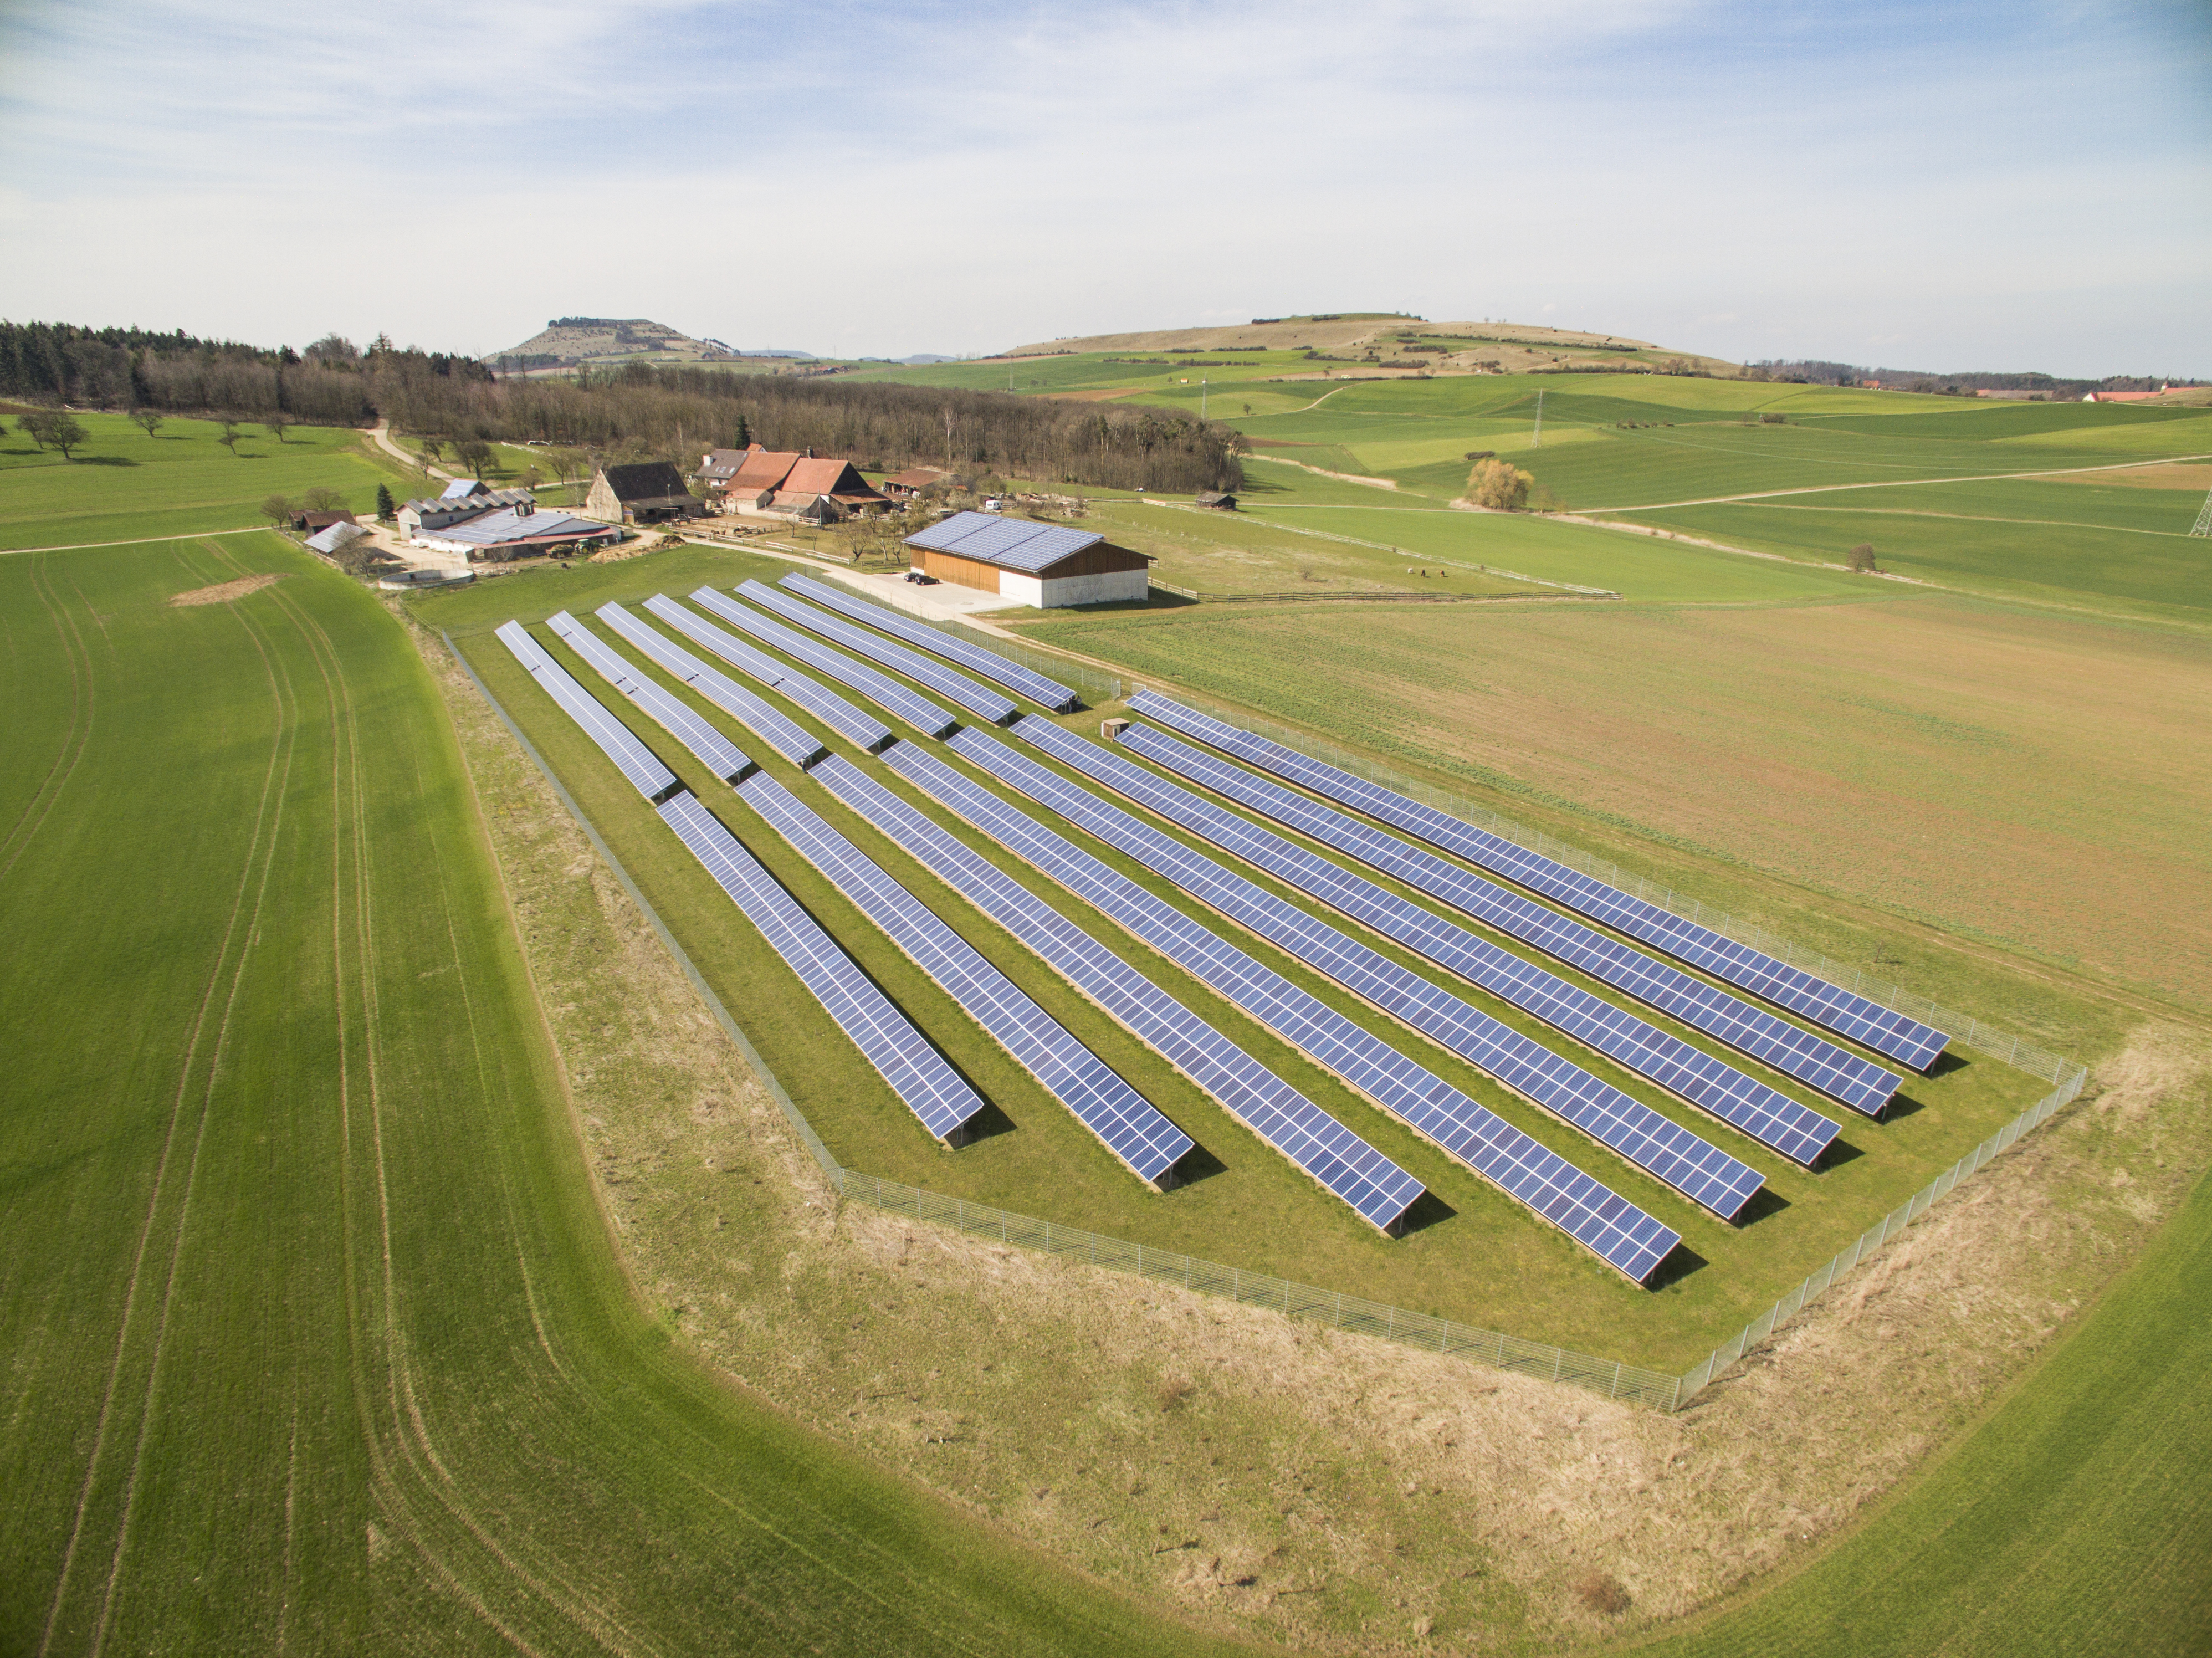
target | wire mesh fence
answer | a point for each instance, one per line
(1875, 1236)
(2000, 1045)
(1610, 1377)
(1293, 1300)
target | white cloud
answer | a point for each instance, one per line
(863, 177)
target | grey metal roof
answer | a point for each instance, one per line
(494, 528)
(1012, 544)
(338, 535)
(463, 486)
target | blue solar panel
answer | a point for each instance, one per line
(1661, 1147)
(617, 741)
(1377, 1188)
(1602, 1221)
(1017, 544)
(723, 757)
(1796, 1051)
(1124, 1121)
(1769, 1117)
(917, 1073)
(881, 689)
(975, 658)
(824, 704)
(787, 737)
(976, 699)
(1864, 1021)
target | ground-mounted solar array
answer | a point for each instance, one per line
(947, 682)
(918, 711)
(721, 756)
(779, 731)
(1768, 1116)
(1615, 1229)
(1663, 1148)
(824, 704)
(1126, 1123)
(1865, 1021)
(917, 1073)
(1376, 1189)
(1024, 681)
(1791, 1049)
(617, 741)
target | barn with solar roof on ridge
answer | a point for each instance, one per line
(1046, 565)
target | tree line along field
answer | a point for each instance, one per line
(318, 1341)
(125, 485)
(1480, 1260)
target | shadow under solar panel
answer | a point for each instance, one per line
(1743, 1103)
(917, 710)
(901, 1056)
(1376, 1189)
(1618, 1233)
(1861, 1018)
(946, 682)
(1125, 1122)
(1625, 1124)
(785, 735)
(976, 659)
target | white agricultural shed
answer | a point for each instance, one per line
(517, 530)
(1049, 566)
(338, 535)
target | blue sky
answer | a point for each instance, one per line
(1932, 185)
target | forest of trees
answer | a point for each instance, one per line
(635, 412)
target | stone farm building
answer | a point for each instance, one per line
(647, 492)
(789, 484)
(1046, 565)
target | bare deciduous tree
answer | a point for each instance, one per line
(1499, 485)
(147, 419)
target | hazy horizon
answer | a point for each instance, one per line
(1950, 188)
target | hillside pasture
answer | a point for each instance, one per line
(124, 485)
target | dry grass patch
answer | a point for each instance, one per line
(223, 592)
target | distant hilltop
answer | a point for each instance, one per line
(1324, 331)
(597, 341)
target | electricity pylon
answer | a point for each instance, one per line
(1536, 440)
(2204, 517)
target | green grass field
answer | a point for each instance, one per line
(2075, 1519)
(317, 1339)
(125, 486)
(1254, 1211)
(321, 1339)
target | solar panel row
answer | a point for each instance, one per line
(1864, 1020)
(1377, 1188)
(975, 658)
(825, 705)
(915, 709)
(1789, 1049)
(723, 757)
(1663, 1148)
(787, 737)
(1769, 1117)
(976, 699)
(1123, 1120)
(632, 758)
(917, 1073)
(1607, 1225)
